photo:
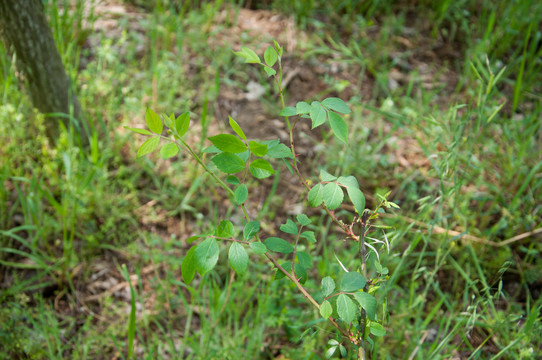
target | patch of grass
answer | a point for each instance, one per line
(456, 138)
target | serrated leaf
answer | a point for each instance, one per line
(228, 143)
(148, 146)
(279, 151)
(304, 259)
(325, 176)
(288, 111)
(225, 229)
(348, 181)
(367, 302)
(240, 194)
(232, 179)
(228, 163)
(251, 229)
(154, 123)
(300, 273)
(302, 108)
(261, 169)
(258, 247)
(270, 56)
(169, 150)
(257, 148)
(269, 71)
(333, 195)
(289, 227)
(316, 195)
(346, 308)
(139, 131)
(182, 123)
(328, 286)
(188, 266)
(238, 258)
(206, 255)
(337, 105)
(318, 114)
(325, 309)
(338, 125)
(377, 329)
(352, 281)
(235, 126)
(309, 235)
(303, 219)
(278, 245)
(249, 55)
(357, 198)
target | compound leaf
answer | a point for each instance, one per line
(261, 169)
(148, 146)
(228, 163)
(278, 245)
(228, 143)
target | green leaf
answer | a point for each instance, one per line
(300, 272)
(278, 245)
(154, 123)
(270, 56)
(318, 114)
(304, 259)
(279, 151)
(346, 308)
(357, 198)
(148, 146)
(367, 302)
(251, 229)
(289, 227)
(329, 353)
(235, 126)
(257, 148)
(288, 111)
(377, 329)
(303, 219)
(325, 176)
(258, 247)
(309, 235)
(261, 169)
(139, 131)
(206, 255)
(302, 108)
(232, 179)
(325, 309)
(240, 194)
(191, 239)
(316, 195)
(348, 181)
(228, 163)
(168, 120)
(238, 258)
(269, 71)
(328, 286)
(277, 47)
(338, 125)
(343, 351)
(188, 266)
(169, 150)
(249, 55)
(337, 105)
(352, 281)
(228, 143)
(333, 195)
(211, 150)
(182, 123)
(225, 229)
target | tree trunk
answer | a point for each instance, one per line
(23, 26)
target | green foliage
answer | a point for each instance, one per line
(234, 153)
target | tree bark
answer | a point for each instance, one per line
(24, 27)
